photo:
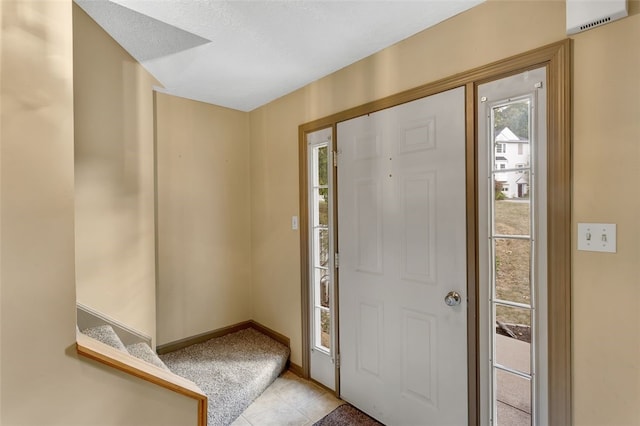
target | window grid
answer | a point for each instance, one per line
(319, 212)
(500, 148)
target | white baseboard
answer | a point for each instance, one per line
(88, 317)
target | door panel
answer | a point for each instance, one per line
(402, 241)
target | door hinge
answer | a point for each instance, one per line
(336, 260)
(337, 360)
(335, 158)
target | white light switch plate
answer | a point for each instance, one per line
(597, 237)
(294, 222)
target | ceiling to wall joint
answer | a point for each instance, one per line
(244, 54)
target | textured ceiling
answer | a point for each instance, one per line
(244, 54)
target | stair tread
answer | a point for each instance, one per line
(106, 335)
(144, 352)
(231, 370)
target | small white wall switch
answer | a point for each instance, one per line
(597, 237)
(294, 222)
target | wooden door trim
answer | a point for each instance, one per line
(556, 58)
(473, 289)
(303, 222)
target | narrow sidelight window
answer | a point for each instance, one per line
(319, 239)
(512, 248)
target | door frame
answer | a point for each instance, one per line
(556, 58)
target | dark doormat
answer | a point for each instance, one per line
(347, 415)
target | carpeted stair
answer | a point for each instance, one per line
(144, 352)
(106, 335)
(232, 370)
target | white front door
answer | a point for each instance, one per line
(402, 246)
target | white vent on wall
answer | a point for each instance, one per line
(583, 15)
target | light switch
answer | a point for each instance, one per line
(294, 222)
(597, 237)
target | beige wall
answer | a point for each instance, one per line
(204, 252)
(472, 40)
(204, 268)
(43, 382)
(606, 156)
(606, 329)
(114, 187)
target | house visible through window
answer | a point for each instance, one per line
(512, 249)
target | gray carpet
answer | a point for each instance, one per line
(232, 370)
(105, 334)
(144, 352)
(347, 415)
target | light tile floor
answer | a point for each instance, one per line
(293, 401)
(289, 401)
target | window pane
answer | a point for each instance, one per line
(512, 207)
(325, 289)
(514, 322)
(325, 323)
(322, 247)
(513, 353)
(320, 276)
(323, 328)
(511, 121)
(513, 395)
(322, 315)
(513, 278)
(513, 338)
(317, 333)
(322, 205)
(322, 166)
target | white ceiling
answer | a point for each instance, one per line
(244, 54)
